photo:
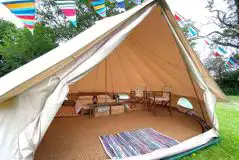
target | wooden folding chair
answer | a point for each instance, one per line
(159, 98)
(137, 96)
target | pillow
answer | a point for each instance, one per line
(123, 96)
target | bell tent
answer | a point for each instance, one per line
(143, 47)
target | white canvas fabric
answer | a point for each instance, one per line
(27, 111)
(53, 62)
(209, 98)
(23, 133)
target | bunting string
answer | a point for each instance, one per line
(217, 51)
(221, 52)
(183, 23)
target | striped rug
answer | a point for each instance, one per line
(137, 142)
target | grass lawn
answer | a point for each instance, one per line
(228, 148)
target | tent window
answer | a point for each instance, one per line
(185, 103)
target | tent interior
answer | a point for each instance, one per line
(148, 58)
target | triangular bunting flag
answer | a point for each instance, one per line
(220, 51)
(68, 7)
(226, 65)
(177, 17)
(216, 54)
(23, 9)
(229, 63)
(192, 32)
(99, 7)
(232, 61)
(137, 2)
(121, 4)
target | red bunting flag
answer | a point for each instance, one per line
(177, 17)
(206, 41)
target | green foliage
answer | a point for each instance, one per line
(230, 82)
(51, 15)
(215, 66)
(19, 46)
(129, 4)
(5, 29)
(22, 46)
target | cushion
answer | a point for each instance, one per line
(123, 96)
(79, 105)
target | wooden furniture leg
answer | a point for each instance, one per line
(154, 108)
(169, 110)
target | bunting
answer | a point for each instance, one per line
(177, 17)
(226, 66)
(137, 2)
(121, 4)
(24, 10)
(232, 61)
(180, 19)
(99, 7)
(192, 32)
(220, 52)
(68, 7)
(207, 43)
(183, 23)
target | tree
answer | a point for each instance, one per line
(216, 66)
(228, 80)
(19, 46)
(50, 15)
(22, 46)
(5, 29)
(228, 22)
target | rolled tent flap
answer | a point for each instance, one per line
(20, 120)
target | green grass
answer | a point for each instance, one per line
(228, 148)
(234, 99)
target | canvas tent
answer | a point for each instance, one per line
(141, 47)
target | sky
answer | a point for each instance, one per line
(7, 15)
(194, 10)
